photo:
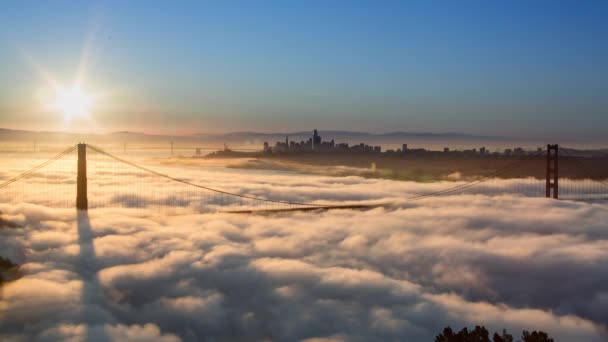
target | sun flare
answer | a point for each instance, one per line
(73, 103)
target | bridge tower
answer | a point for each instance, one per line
(81, 179)
(552, 172)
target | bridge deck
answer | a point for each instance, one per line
(323, 208)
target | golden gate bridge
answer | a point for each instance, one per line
(87, 177)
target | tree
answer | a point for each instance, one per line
(481, 334)
(504, 337)
(535, 336)
(446, 336)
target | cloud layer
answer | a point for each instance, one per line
(399, 273)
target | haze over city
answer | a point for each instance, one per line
(303, 171)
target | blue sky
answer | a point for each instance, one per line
(517, 68)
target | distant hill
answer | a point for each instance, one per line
(10, 134)
(333, 134)
(251, 139)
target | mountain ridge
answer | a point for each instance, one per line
(328, 133)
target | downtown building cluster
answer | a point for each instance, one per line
(316, 144)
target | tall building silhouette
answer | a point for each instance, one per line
(316, 139)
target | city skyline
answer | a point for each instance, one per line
(517, 69)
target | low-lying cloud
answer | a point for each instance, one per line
(401, 273)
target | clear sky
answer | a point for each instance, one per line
(516, 68)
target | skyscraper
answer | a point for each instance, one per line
(316, 139)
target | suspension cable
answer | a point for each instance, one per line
(414, 198)
(475, 182)
(36, 168)
(311, 205)
(98, 150)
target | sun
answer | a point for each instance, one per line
(73, 103)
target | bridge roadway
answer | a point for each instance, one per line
(319, 208)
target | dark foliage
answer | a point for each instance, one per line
(504, 337)
(481, 334)
(535, 336)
